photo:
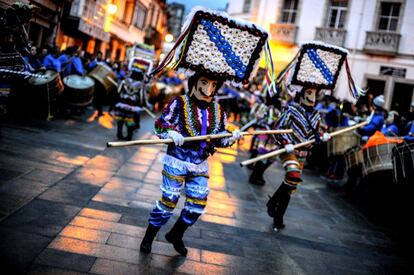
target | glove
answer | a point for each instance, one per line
(236, 135)
(176, 137)
(289, 148)
(326, 137)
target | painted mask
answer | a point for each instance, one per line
(204, 89)
(309, 97)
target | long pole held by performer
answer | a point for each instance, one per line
(196, 138)
(281, 151)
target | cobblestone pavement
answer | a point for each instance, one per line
(69, 205)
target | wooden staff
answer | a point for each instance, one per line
(151, 114)
(186, 139)
(283, 150)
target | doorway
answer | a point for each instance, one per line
(402, 98)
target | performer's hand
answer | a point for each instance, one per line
(176, 137)
(326, 137)
(236, 135)
(289, 148)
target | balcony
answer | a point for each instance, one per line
(331, 36)
(284, 33)
(383, 43)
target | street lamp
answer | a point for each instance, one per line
(169, 38)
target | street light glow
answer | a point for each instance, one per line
(169, 38)
(112, 9)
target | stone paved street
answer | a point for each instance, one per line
(69, 205)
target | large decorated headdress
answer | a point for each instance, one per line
(317, 65)
(214, 44)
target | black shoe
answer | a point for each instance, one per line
(175, 236)
(119, 136)
(277, 226)
(150, 234)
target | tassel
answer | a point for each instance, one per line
(356, 91)
(166, 62)
(269, 72)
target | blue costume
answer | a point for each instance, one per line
(390, 130)
(186, 166)
(375, 124)
(52, 63)
(410, 135)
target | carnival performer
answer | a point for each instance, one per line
(209, 55)
(317, 67)
(130, 103)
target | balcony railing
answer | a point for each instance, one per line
(380, 42)
(331, 36)
(285, 33)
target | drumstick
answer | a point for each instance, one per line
(283, 150)
(112, 81)
(196, 138)
(151, 114)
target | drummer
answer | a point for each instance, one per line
(390, 127)
(33, 60)
(51, 61)
(376, 120)
(71, 62)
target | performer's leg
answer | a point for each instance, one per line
(173, 182)
(279, 202)
(258, 171)
(196, 200)
(120, 124)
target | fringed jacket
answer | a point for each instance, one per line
(304, 124)
(184, 116)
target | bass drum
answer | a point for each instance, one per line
(44, 93)
(338, 145)
(377, 159)
(78, 90)
(105, 77)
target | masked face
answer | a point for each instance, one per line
(204, 89)
(308, 98)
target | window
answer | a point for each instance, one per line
(247, 5)
(128, 11)
(140, 16)
(337, 13)
(389, 15)
(289, 11)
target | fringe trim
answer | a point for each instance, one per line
(183, 165)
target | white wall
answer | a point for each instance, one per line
(311, 13)
(407, 29)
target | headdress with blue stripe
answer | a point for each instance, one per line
(216, 45)
(318, 65)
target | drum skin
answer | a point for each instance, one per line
(104, 75)
(403, 163)
(377, 158)
(78, 90)
(338, 145)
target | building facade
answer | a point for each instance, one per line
(95, 26)
(378, 33)
(175, 18)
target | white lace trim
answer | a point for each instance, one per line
(190, 167)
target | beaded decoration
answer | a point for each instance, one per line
(318, 65)
(218, 46)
